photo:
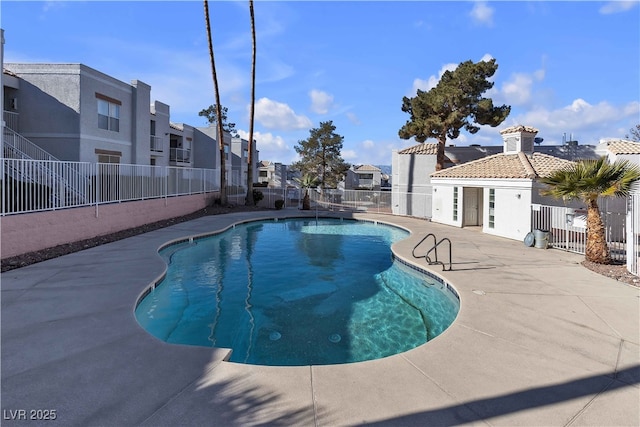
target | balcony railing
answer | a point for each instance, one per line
(180, 155)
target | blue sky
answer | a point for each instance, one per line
(565, 67)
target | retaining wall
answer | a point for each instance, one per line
(29, 232)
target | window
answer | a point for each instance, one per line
(262, 174)
(108, 113)
(455, 203)
(106, 156)
(492, 206)
(366, 176)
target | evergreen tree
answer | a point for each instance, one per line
(212, 118)
(456, 102)
(320, 156)
(634, 134)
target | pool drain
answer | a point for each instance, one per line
(275, 336)
(335, 338)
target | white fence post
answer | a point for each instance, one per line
(30, 185)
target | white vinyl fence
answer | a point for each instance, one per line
(633, 231)
(352, 200)
(37, 185)
(567, 228)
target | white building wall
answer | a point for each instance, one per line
(161, 117)
(93, 138)
(411, 174)
(512, 212)
(443, 207)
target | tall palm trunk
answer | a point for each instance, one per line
(220, 133)
(596, 249)
(249, 199)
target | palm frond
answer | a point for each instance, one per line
(588, 179)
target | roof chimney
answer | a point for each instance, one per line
(518, 138)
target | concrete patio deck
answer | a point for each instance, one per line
(539, 340)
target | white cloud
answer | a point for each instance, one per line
(273, 70)
(52, 5)
(349, 155)
(580, 118)
(369, 152)
(482, 14)
(617, 7)
(321, 101)
(276, 115)
(486, 57)
(271, 147)
(353, 118)
(519, 88)
(432, 81)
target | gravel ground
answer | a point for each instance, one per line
(617, 272)
(67, 248)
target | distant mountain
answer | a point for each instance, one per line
(386, 169)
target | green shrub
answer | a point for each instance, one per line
(257, 196)
(279, 204)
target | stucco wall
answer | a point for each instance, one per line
(411, 174)
(40, 230)
(442, 211)
(512, 212)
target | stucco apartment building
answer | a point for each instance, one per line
(77, 113)
(364, 177)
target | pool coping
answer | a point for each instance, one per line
(538, 340)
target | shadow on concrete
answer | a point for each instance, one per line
(483, 409)
(236, 402)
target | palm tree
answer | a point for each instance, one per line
(306, 182)
(587, 180)
(223, 166)
(249, 199)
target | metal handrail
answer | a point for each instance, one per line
(434, 249)
(420, 242)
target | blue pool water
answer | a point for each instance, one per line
(296, 292)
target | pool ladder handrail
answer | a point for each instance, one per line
(434, 249)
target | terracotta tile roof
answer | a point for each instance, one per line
(367, 168)
(421, 149)
(623, 146)
(519, 128)
(505, 166)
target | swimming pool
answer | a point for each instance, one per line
(297, 292)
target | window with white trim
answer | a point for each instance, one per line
(455, 203)
(108, 113)
(492, 206)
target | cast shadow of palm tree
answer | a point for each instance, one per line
(239, 402)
